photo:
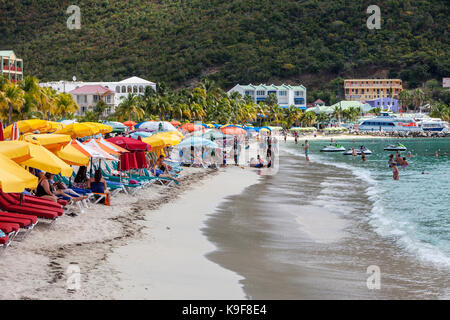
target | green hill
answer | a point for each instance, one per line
(234, 41)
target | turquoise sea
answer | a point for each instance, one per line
(415, 210)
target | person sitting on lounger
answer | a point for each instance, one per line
(160, 169)
(80, 181)
(46, 189)
(98, 185)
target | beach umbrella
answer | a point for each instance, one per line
(233, 131)
(142, 134)
(112, 146)
(116, 126)
(103, 128)
(79, 130)
(14, 178)
(44, 160)
(49, 141)
(2, 137)
(24, 126)
(157, 126)
(163, 139)
(197, 142)
(67, 122)
(130, 144)
(94, 144)
(175, 123)
(92, 151)
(213, 134)
(191, 127)
(15, 150)
(216, 125)
(130, 124)
(72, 156)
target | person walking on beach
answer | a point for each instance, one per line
(306, 147)
(296, 137)
(285, 136)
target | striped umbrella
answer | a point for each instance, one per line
(15, 134)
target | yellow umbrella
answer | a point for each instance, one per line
(155, 141)
(79, 130)
(103, 128)
(52, 127)
(44, 160)
(15, 150)
(26, 126)
(172, 137)
(13, 178)
(72, 156)
(49, 141)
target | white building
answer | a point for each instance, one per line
(287, 95)
(134, 85)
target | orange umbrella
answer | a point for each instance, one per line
(233, 131)
(111, 145)
(190, 127)
(103, 147)
(175, 123)
(130, 124)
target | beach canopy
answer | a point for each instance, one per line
(96, 146)
(191, 127)
(157, 126)
(233, 131)
(164, 139)
(14, 178)
(44, 160)
(72, 156)
(110, 145)
(92, 152)
(79, 130)
(116, 126)
(50, 141)
(26, 126)
(198, 142)
(130, 144)
(15, 150)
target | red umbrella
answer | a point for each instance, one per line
(2, 138)
(130, 124)
(233, 131)
(130, 144)
(175, 123)
(190, 127)
(124, 164)
(141, 160)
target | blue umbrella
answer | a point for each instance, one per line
(141, 134)
(197, 142)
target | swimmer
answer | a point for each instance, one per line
(391, 160)
(404, 163)
(354, 153)
(395, 173)
(363, 156)
(409, 154)
(436, 154)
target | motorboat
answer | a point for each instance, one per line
(349, 152)
(433, 125)
(389, 123)
(395, 147)
(331, 148)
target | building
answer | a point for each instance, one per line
(319, 103)
(390, 104)
(369, 89)
(121, 89)
(89, 95)
(12, 67)
(287, 95)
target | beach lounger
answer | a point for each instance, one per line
(40, 212)
(34, 202)
(4, 241)
(10, 229)
(24, 223)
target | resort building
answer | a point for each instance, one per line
(12, 67)
(89, 95)
(287, 95)
(121, 89)
(369, 89)
(390, 104)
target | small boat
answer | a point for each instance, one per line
(395, 147)
(336, 148)
(349, 152)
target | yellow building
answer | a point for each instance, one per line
(11, 66)
(369, 89)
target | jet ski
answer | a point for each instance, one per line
(331, 148)
(349, 152)
(395, 147)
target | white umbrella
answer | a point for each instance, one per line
(157, 126)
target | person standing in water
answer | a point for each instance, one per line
(306, 147)
(363, 156)
(395, 172)
(436, 154)
(354, 153)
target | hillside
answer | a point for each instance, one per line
(234, 41)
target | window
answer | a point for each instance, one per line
(129, 90)
(108, 99)
(300, 93)
(81, 98)
(96, 98)
(124, 89)
(260, 93)
(135, 89)
(118, 89)
(282, 93)
(141, 89)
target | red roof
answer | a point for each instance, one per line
(91, 89)
(318, 101)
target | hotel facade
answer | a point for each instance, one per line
(370, 89)
(113, 92)
(11, 66)
(287, 95)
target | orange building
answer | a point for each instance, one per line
(11, 66)
(369, 89)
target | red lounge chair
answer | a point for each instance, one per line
(24, 223)
(27, 199)
(9, 228)
(41, 206)
(38, 212)
(33, 219)
(4, 241)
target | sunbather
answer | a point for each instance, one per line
(160, 169)
(81, 180)
(98, 185)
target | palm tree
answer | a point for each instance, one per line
(292, 115)
(65, 104)
(405, 98)
(418, 98)
(337, 112)
(129, 107)
(11, 100)
(309, 118)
